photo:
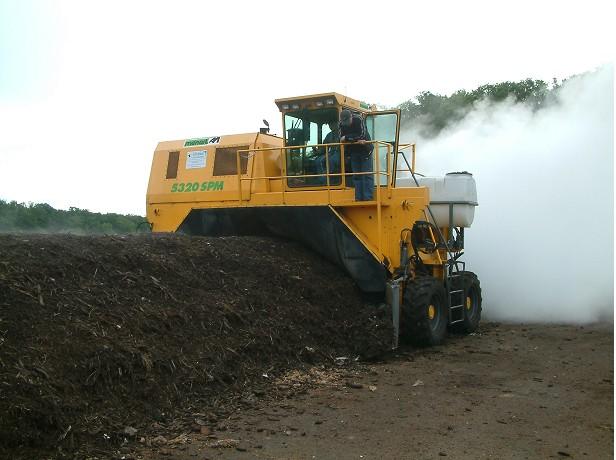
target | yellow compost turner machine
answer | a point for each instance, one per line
(404, 245)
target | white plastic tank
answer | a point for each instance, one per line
(457, 189)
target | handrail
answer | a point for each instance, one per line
(413, 153)
(327, 174)
(388, 173)
(378, 173)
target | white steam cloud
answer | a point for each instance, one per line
(542, 239)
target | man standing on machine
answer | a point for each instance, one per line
(353, 130)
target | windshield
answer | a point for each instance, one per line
(311, 127)
(308, 127)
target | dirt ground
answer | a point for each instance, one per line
(506, 392)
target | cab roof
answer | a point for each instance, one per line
(327, 100)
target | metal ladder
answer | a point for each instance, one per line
(456, 298)
(451, 294)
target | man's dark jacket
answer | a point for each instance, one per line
(356, 131)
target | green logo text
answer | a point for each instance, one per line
(213, 185)
(201, 141)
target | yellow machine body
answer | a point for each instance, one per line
(250, 183)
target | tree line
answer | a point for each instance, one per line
(41, 217)
(431, 113)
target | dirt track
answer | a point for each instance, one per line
(508, 392)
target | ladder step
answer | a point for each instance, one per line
(456, 307)
(457, 321)
(456, 291)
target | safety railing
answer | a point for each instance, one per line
(410, 167)
(327, 175)
(376, 171)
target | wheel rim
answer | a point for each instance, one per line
(472, 303)
(434, 314)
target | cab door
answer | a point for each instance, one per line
(384, 126)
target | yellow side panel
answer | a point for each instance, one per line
(167, 217)
(169, 201)
(403, 208)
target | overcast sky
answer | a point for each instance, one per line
(87, 88)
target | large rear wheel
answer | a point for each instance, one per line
(424, 311)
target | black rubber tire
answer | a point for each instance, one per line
(472, 294)
(417, 327)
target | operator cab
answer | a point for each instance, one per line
(308, 122)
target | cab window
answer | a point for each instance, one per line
(307, 128)
(382, 126)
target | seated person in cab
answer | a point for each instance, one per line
(333, 157)
(353, 129)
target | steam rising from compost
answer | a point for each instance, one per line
(542, 239)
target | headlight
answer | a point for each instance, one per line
(285, 106)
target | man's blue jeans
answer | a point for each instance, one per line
(364, 184)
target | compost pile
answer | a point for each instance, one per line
(101, 333)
